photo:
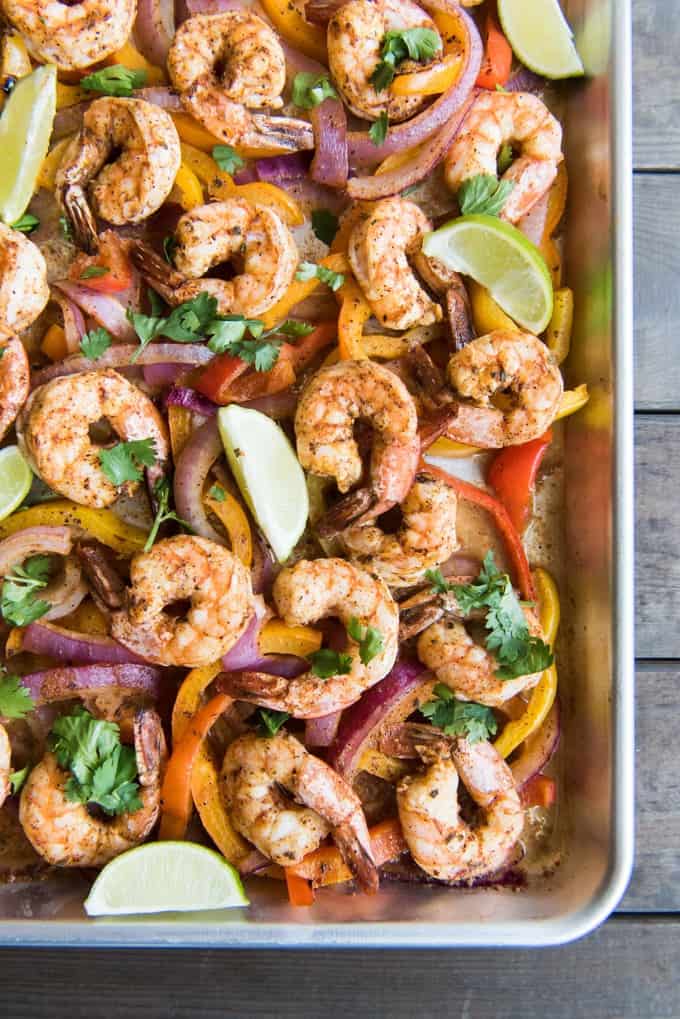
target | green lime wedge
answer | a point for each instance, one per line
(541, 37)
(15, 480)
(25, 129)
(268, 473)
(501, 258)
(162, 877)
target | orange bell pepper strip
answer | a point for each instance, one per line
(288, 22)
(54, 343)
(180, 426)
(300, 892)
(235, 522)
(355, 311)
(497, 60)
(263, 193)
(48, 171)
(307, 347)
(512, 475)
(444, 72)
(187, 190)
(325, 866)
(107, 272)
(350, 219)
(130, 57)
(300, 290)
(539, 791)
(558, 333)
(253, 384)
(276, 638)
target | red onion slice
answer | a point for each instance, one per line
(278, 406)
(74, 321)
(538, 749)
(330, 165)
(275, 169)
(62, 683)
(104, 309)
(182, 396)
(192, 467)
(78, 648)
(320, 732)
(33, 541)
(245, 654)
(120, 355)
(155, 29)
(161, 375)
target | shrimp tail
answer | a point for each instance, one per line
(413, 619)
(79, 214)
(286, 133)
(358, 857)
(155, 270)
(345, 512)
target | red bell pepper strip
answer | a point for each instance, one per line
(107, 272)
(512, 540)
(512, 476)
(307, 347)
(325, 866)
(539, 791)
(497, 61)
(300, 892)
(220, 373)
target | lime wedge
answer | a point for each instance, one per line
(25, 129)
(268, 473)
(541, 37)
(500, 257)
(162, 877)
(15, 480)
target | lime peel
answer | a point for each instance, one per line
(541, 37)
(15, 480)
(25, 130)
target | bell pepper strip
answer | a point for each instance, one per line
(573, 400)
(253, 385)
(209, 802)
(176, 789)
(544, 693)
(444, 72)
(325, 866)
(398, 159)
(112, 257)
(300, 290)
(232, 516)
(102, 524)
(499, 514)
(288, 22)
(180, 426)
(193, 133)
(219, 375)
(355, 311)
(553, 259)
(512, 475)
(453, 449)
(69, 95)
(187, 190)
(486, 314)
(188, 699)
(276, 638)
(130, 57)
(15, 641)
(389, 769)
(497, 60)
(54, 343)
(557, 200)
(303, 351)
(558, 333)
(539, 791)
(349, 220)
(14, 60)
(47, 178)
(263, 193)
(204, 166)
(300, 892)
(87, 618)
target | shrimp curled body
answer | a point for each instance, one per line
(72, 35)
(65, 833)
(254, 772)
(15, 380)
(23, 282)
(210, 577)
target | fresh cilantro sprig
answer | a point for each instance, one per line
(369, 639)
(17, 778)
(186, 323)
(310, 270)
(377, 132)
(310, 90)
(325, 225)
(103, 771)
(161, 491)
(504, 158)
(19, 603)
(459, 718)
(217, 493)
(327, 663)
(227, 158)
(95, 343)
(484, 194)
(262, 350)
(125, 461)
(269, 722)
(419, 44)
(117, 80)
(26, 224)
(15, 700)
(93, 272)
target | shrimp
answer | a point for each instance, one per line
(65, 833)
(72, 35)
(5, 764)
(355, 37)
(469, 669)
(254, 773)
(439, 840)
(381, 247)
(225, 66)
(312, 590)
(145, 143)
(333, 400)
(252, 237)
(497, 119)
(425, 539)
(23, 282)
(184, 568)
(517, 365)
(53, 431)
(15, 381)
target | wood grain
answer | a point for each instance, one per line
(657, 84)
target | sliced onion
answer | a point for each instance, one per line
(182, 396)
(245, 654)
(191, 470)
(275, 169)
(163, 374)
(33, 541)
(161, 95)
(74, 321)
(278, 406)
(66, 592)
(62, 683)
(247, 175)
(330, 165)
(80, 648)
(103, 308)
(538, 749)
(362, 151)
(263, 569)
(297, 61)
(320, 732)
(120, 355)
(155, 29)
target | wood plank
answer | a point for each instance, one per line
(656, 40)
(626, 969)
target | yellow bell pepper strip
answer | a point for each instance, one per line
(47, 177)
(573, 400)
(232, 516)
(512, 475)
(325, 866)
(130, 57)
(263, 193)
(558, 333)
(451, 448)
(180, 426)
(300, 290)
(69, 95)
(350, 219)
(102, 524)
(87, 618)
(286, 19)
(486, 314)
(355, 311)
(389, 769)
(187, 190)
(397, 159)
(557, 200)
(15, 641)
(188, 699)
(54, 343)
(444, 72)
(204, 166)
(545, 691)
(193, 133)
(276, 638)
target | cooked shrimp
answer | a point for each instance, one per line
(333, 400)
(65, 833)
(312, 590)
(469, 669)
(439, 840)
(517, 365)
(5, 764)
(254, 772)
(355, 36)
(252, 237)
(23, 282)
(15, 381)
(225, 66)
(380, 249)
(184, 568)
(519, 119)
(425, 539)
(72, 35)
(54, 432)
(145, 143)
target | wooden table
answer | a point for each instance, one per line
(630, 966)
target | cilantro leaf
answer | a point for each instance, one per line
(293, 327)
(26, 224)
(327, 663)
(146, 328)
(18, 603)
(191, 319)
(161, 491)
(124, 461)
(94, 272)
(504, 158)
(17, 779)
(271, 721)
(169, 248)
(459, 718)
(438, 582)
(217, 493)
(309, 270)
(227, 158)
(15, 700)
(325, 225)
(39, 492)
(309, 89)
(103, 771)
(369, 639)
(419, 44)
(483, 194)
(114, 81)
(377, 132)
(95, 343)
(231, 329)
